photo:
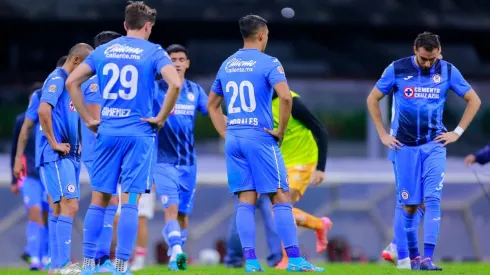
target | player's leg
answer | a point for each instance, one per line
(109, 152)
(32, 194)
(240, 182)
(105, 240)
(408, 171)
(168, 188)
(25, 255)
(269, 173)
(136, 179)
(45, 257)
(273, 241)
(234, 253)
(187, 179)
(434, 167)
(299, 177)
(146, 211)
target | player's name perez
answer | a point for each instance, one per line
(183, 109)
(244, 121)
(115, 112)
(422, 92)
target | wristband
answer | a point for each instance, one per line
(459, 131)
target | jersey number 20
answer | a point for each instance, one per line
(127, 77)
(232, 86)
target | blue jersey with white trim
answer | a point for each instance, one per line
(246, 81)
(419, 97)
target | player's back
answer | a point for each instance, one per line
(247, 79)
(126, 72)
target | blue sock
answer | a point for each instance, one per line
(400, 234)
(105, 239)
(53, 241)
(92, 229)
(432, 223)
(33, 234)
(172, 233)
(412, 237)
(183, 236)
(126, 231)
(286, 229)
(63, 232)
(245, 222)
(44, 241)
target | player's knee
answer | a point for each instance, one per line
(171, 212)
(34, 213)
(422, 206)
(280, 196)
(114, 200)
(295, 195)
(183, 220)
(69, 207)
(249, 197)
(411, 209)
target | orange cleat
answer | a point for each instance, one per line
(321, 235)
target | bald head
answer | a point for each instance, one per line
(76, 55)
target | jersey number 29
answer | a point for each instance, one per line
(232, 86)
(127, 77)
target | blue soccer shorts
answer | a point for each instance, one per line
(89, 164)
(253, 164)
(34, 193)
(62, 179)
(419, 172)
(124, 159)
(176, 185)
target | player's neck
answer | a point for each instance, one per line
(136, 34)
(68, 68)
(182, 77)
(251, 45)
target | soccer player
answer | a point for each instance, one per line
(254, 161)
(60, 155)
(124, 148)
(481, 157)
(175, 173)
(418, 139)
(27, 179)
(93, 99)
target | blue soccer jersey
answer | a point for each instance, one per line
(65, 119)
(126, 68)
(90, 89)
(246, 80)
(419, 98)
(176, 138)
(31, 113)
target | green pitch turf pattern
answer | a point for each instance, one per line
(331, 269)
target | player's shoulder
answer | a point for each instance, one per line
(56, 75)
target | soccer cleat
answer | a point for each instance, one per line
(390, 254)
(106, 267)
(172, 266)
(302, 265)
(427, 265)
(35, 266)
(283, 264)
(138, 263)
(53, 271)
(321, 235)
(252, 266)
(182, 259)
(70, 269)
(404, 264)
(128, 272)
(415, 263)
(88, 271)
(26, 257)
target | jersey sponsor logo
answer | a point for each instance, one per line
(191, 96)
(421, 92)
(119, 51)
(72, 106)
(436, 78)
(94, 87)
(237, 65)
(52, 88)
(183, 109)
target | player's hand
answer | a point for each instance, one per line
(14, 189)
(276, 134)
(93, 125)
(18, 167)
(447, 138)
(62, 148)
(391, 142)
(469, 160)
(317, 177)
(155, 122)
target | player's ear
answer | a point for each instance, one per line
(125, 26)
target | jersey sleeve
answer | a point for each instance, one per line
(52, 90)
(160, 59)
(92, 94)
(216, 87)
(457, 83)
(387, 80)
(275, 72)
(31, 112)
(90, 61)
(15, 138)
(202, 102)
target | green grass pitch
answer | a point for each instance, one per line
(331, 269)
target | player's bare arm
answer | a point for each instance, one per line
(46, 120)
(171, 76)
(21, 146)
(373, 106)
(73, 85)
(216, 113)
(285, 106)
(473, 103)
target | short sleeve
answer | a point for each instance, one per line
(31, 112)
(90, 61)
(387, 81)
(216, 87)
(52, 90)
(275, 72)
(161, 59)
(457, 83)
(202, 102)
(92, 93)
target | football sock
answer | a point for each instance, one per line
(286, 229)
(400, 234)
(53, 243)
(432, 223)
(105, 238)
(172, 233)
(245, 222)
(63, 232)
(304, 219)
(33, 234)
(92, 229)
(412, 236)
(183, 235)
(126, 234)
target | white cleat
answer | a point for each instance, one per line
(70, 269)
(404, 264)
(53, 271)
(390, 254)
(138, 263)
